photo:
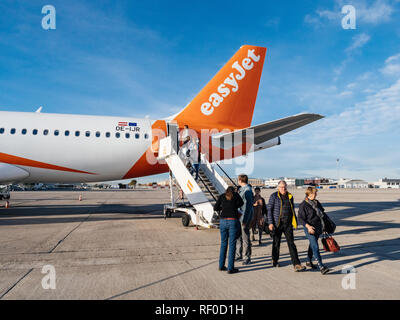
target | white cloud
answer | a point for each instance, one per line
(391, 69)
(379, 113)
(345, 93)
(359, 41)
(392, 66)
(393, 58)
(380, 11)
(351, 85)
(361, 136)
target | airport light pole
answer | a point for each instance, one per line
(338, 175)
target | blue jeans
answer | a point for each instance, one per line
(313, 248)
(229, 229)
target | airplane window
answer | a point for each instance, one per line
(56, 132)
(127, 135)
(146, 136)
(97, 134)
(66, 133)
(87, 133)
(77, 133)
(12, 131)
(23, 131)
(137, 135)
(1, 130)
(108, 134)
(117, 134)
(45, 132)
(34, 132)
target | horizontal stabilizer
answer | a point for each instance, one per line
(266, 131)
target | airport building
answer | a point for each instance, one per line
(254, 182)
(352, 183)
(315, 181)
(388, 183)
(273, 182)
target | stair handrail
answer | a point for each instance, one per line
(205, 185)
(208, 155)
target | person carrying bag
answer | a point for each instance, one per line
(328, 227)
(311, 215)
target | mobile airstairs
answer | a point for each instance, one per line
(201, 195)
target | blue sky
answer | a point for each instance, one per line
(150, 58)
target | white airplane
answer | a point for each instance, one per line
(38, 147)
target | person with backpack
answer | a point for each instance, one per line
(228, 204)
(311, 215)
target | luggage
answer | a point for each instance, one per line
(329, 243)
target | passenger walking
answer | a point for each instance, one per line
(186, 137)
(184, 151)
(228, 203)
(282, 219)
(244, 243)
(311, 214)
(260, 212)
(195, 157)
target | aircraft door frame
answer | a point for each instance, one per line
(173, 131)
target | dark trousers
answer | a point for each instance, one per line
(196, 167)
(230, 231)
(259, 230)
(287, 229)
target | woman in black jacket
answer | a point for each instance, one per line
(310, 215)
(229, 226)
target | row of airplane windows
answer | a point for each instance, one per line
(77, 133)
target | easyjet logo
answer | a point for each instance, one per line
(230, 84)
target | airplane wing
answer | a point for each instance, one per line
(267, 134)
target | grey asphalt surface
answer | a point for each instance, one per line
(116, 245)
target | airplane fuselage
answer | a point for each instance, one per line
(72, 148)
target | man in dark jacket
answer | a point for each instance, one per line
(282, 219)
(247, 211)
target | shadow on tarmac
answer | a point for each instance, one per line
(373, 251)
(56, 213)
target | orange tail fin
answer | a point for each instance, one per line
(227, 101)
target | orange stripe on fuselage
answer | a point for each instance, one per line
(142, 167)
(10, 159)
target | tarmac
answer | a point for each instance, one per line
(117, 245)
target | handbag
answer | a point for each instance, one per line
(329, 243)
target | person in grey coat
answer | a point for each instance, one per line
(246, 210)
